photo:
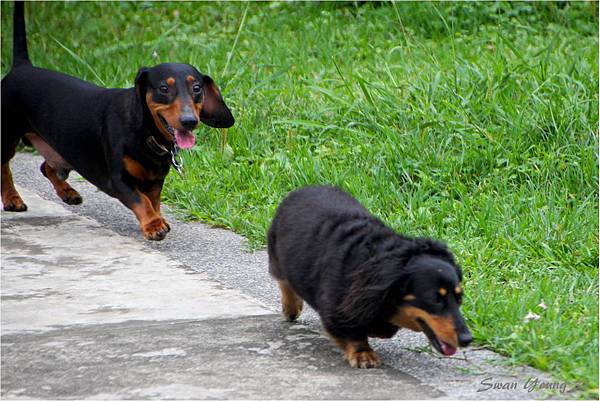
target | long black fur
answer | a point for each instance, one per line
(343, 261)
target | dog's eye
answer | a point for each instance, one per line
(196, 88)
(163, 88)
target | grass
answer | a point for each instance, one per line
(473, 123)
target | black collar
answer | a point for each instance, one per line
(161, 151)
(156, 147)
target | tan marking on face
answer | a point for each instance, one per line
(170, 81)
(442, 291)
(170, 112)
(409, 297)
(442, 326)
(197, 110)
(458, 290)
(197, 106)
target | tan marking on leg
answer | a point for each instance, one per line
(154, 195)
(197, 109)
(358, 353)
(152, 224)
(11, 200)
(62, 188)
(291, 303)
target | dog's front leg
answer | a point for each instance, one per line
(358, 353)
(153, 226)
(152, 191)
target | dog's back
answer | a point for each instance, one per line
(311, 205)
(312, 227)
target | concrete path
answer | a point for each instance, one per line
(87, 313)
(91, 310)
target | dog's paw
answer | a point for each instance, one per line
(71, 197)
(363, 359)
(156, 230)
(292, 309)
(166, 224)
(14, 204)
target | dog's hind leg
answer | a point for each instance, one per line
(291, 303)
(11, 200)
(62, 187)
(55, 169)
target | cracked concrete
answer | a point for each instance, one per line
(250, 358)
(193, 282)
(87, 275)
(87, 313)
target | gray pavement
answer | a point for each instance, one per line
(91, 310)
(87, 313)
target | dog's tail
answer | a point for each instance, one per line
(20, 55)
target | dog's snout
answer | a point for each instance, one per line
(188, 122)
(465, 338)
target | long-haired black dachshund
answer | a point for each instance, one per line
(363, 279)
(121, 140)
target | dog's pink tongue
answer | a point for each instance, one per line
(447, 349)
(185, 139)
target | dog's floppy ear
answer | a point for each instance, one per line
(214, 110)
(370, 287)
(141, 80)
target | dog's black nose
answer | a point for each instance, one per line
(465, 339)
(188, 122)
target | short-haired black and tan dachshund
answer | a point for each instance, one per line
(363, 278)
(120, 140)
